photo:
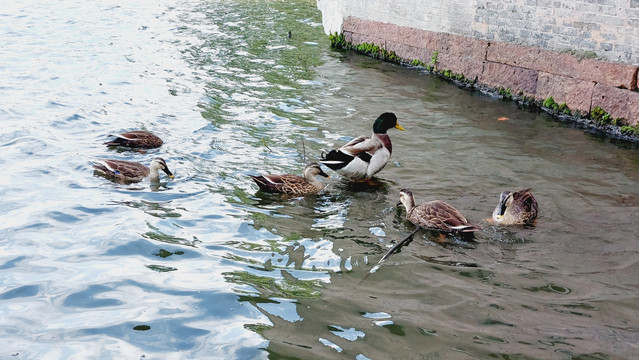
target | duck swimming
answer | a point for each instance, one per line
(435, 215)
(122, 171)
(363, 157)
(135, 139)
(293, 184)
(516, 208)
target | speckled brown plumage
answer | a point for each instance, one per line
(435, 215)
(292, 184)
(135, 139)
(516, 208)
(125, 172)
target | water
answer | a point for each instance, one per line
(205, 266)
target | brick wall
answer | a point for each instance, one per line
(610, 28)
(516, 44)
(607, 28)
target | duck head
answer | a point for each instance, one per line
(504, 201)
(385, 122)
(406, 198)
(313, 169)
(159, 164)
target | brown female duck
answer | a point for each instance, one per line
(293, 184)
(135, 139)
(435, 215)
(516, 208)
(125, 172)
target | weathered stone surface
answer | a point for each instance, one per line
(361, 38)
(577, 94)
(360, 26)
(525, 56)
(607, 27)
(511, 77)
(407, 52)
(617, 102)
(348, 37)
(392, 33)
(610, 74)
(607, 73)
(462, 46)
(462, 55)
(471, 69)
(409, 36)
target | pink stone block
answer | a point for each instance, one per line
(603, 72)
(471, 68)
(617, 102)
(412, 37)
(391, 33)
(577, 94)
(608, 73)
(356, 25)
(359, 38)
(511, 77)
(409, 53)
(462, 55)
(462, 46)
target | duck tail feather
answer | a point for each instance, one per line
(261, 182)
(471, 228)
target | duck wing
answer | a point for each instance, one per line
(524, 205)
(135, 139)
(361, 144)
(362, 147)
(126, 169)
(287, 184)
(441, 216)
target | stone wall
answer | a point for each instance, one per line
(609, 28)
(515, 44)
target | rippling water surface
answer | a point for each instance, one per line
(205, 266)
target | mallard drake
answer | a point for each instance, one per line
(293, 184)
(122, 171)
(363, 157)
(435, 215)
(135, 139)
(516, 208)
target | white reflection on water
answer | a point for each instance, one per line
(284, 308)
(331, 345)
(350, 334)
